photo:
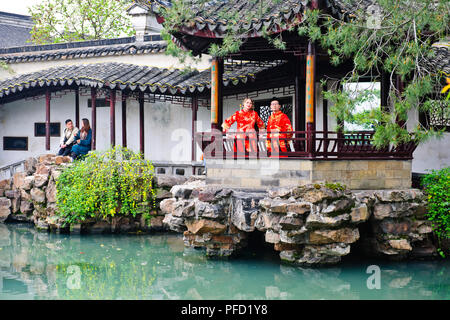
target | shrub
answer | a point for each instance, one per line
(437, 188)
(105, 184)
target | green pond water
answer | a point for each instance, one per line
(36, 265)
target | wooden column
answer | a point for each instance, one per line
(94, 117)
(77, 108)
(141, 124)
(112, 116)
(47, 119)
(124, 120)
(310, 96)
(194, 108)
(216, 93)
(325, 120)
(299, 100)
(384, 91)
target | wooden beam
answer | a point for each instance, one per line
(112, 116)
(47, 119)
(94, 118)
(124, 121)
(141, 124)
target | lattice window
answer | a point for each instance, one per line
(439, 116)
(263, 108)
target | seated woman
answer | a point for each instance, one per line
(246, 120)
(83, 141)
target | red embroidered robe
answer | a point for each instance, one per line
(278, 122)
(245, 123)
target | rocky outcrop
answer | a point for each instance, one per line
(308, 225)
(30, 196)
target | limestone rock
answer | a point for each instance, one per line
(167, 205)
(399, 195)
(245, 210)
(272, 237)
(299, 207)
(345, 235)
(279, 193)
(4, 213)
(290, 221)
(394, 209)
(174, 223)
(5, 202)
(205, 226)
(28, 183)
(294, 235)
(40, 180)
(15, 205)
(47, 158)
(396, 227)
(26, 207)
(184, 208)
(312, 194)
(267, 220)
(12, 194)
(19, 179)
(50, 192)
(24, 195)
(37, 195)
(55, 174)
(360, 214)
(30, 165)
(400, 244)
(208, 210)
(319, 220)
(168, 181)
(5, 184)
(62, 159)
(337, 207)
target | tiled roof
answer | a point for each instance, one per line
(14, 29)
(128, 76)
(281, 15)
(441, 61)
(83, 49)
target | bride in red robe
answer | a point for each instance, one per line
(245, 119)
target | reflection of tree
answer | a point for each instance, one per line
(157, 267)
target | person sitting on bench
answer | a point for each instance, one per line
(68, 139)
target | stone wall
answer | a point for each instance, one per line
(263, 173)
(309, 225)
(30, 196)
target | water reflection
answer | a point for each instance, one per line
(36, 265)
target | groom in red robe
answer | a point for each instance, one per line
(278, 122)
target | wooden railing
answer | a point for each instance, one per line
(302, 145)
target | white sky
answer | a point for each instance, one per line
(17, 6)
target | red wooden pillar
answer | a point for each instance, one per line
(112, 116)
(325, 122)
(94, 117)
(77, 107)
(310, 97)
(124, 120)
(216, 93)
(299, 101)
(194, 107)
(47, 119)
(141, 124)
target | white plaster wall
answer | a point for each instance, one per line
(432, 154)
(167, 127)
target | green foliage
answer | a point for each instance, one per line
(105, 184)
(78, 20)
(437, 188)
(336, 186)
